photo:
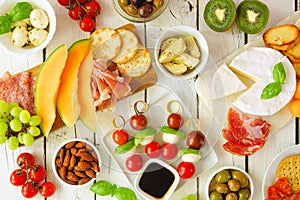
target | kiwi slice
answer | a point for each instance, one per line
(219, 15)
(252, 16)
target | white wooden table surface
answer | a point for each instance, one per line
(220, 46)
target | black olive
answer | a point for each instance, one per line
(145, 10)
(137, 3)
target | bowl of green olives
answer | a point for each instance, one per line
(140, 10)
(229, 183)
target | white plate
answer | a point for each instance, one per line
(270, 174)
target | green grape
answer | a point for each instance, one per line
(28, 139)
(15, 125)
(35, 120)
(12, 105)
(3, 139)
(24, 116)
(3, 108)
(15, 111)
(34, 131)
(3, 128)
(191, 197)
(13, 143)
(20, 137)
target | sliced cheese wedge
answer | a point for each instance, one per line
(257, 63)
(225, 83)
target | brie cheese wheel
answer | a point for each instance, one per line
(225, 83)
(257, 63)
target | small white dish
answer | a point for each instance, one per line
(178, 31)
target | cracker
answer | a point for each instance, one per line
(290, 168)
(106, 43)
(129, 46)
(137, 66)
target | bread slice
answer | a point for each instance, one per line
(129, 46)
(284, 47)
(106, 43)
(293, 53)
(137, 66)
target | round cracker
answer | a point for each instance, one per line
(106, 43)
(129, 46)
(137, 66)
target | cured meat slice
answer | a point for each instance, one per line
(245, 135)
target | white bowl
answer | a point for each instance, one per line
(56, 153)
(251, 186)
(5, 39)
(178, 31)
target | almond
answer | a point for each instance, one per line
(62, 172)
(85, 156)
(95, 166)
(70, 182)
(70, 145)
(82, 150)
(72, 177)
(58, 162)
(73, 151)
(62, 155)
(94, 154)
(67, 158)
(73, 161)
(90, 173)
(83, 181)
(80, 174)
(84, 165)
(79, 145)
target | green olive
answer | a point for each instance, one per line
(124, 2)
(223, 176)
(242, 178)
(131, 10)
(231, 196)
(158, 3)
(221, 188)
(244, 194)
(214, 195)
(233, 185)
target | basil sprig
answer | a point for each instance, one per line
(105, 188)
(20, 11)
(167, 129)
(274, 88)
(124, 148)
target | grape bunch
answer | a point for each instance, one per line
(17, 126)
(83, 11)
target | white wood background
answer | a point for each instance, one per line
(220, 46)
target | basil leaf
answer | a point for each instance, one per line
(5, 24)
(124, 193)
(139, 137)
(20, 11)
(167, 129)
(103, 188)
(188, 151)
(125, 147)
(271, 90)
(279, 73)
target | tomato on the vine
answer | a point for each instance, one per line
(82, 1)
(93, 8)
(29, 190)
(134, 163)
(186, 169)
(47, 189)
(175, 121)
(87, 24)
(152, 149)
(120, 136)
(25, 160)
(18, 177)
(169, 151)
(65, 2)
(76, 12)
(37, 173)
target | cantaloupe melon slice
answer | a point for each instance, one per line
(46, 87)
(67, 99)
(87, 109)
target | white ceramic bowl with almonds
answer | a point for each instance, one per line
(181, 52)
(76, 163)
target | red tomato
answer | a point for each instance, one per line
(82, 1)
(47, 189)
(76, 12)
(29, 190)
(37, 173)
(25, 160)
(120, 136)
(195, 139)
(65, 2)
(93, 8)
(18, 177)
(134, 163)
(87, 24)
(152, 149)
(186, 169)
(175, 121)
(138, 122)
(169, 151)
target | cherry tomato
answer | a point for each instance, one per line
(29, 190)
(47, 189)
(76, 12)
(175, 121)
(18, 177)
(65, 2)
(82, 1)
(25, 160)
(37, 173)
(152, 149)
(93, 8)
(195, 139)
(138, 122)
(134, 163)
(169, 151)
(87, 24)
(186, 169)
(120, 136)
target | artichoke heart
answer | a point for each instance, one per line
(176, 48)
(176, 68)
(167, 43)
(187, 60)
(192, 46)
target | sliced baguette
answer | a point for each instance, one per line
(293, 53)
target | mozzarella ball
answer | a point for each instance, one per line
(190, 157)
(37, 36)
(39, 18)
(170, 138)
(20, 36)
(147, 140)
